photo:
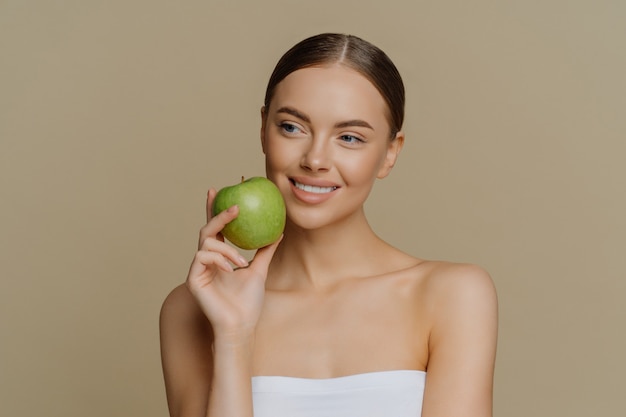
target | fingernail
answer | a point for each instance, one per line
(241, 261)
(231, 209)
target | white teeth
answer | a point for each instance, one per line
(314, 189)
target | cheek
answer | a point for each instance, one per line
(363, 170)
(277, 158)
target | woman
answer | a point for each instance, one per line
(331, 320)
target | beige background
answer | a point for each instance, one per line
(116, 116)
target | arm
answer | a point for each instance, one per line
(186, 340)
(207, 327)
(203, 376)
(462, 343)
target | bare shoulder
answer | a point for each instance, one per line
(455, 281)
(461, 291)
(179, 302)
(180, 310)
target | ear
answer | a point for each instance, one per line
(393, 150)
(263, 124)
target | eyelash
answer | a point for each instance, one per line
(357, 140)
(292, 129)
(284, 126)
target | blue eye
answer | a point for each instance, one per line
(350, 139)
(289, 128)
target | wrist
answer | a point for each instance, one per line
(234, 340)
(233, 355)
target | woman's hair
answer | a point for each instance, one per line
(353, 52)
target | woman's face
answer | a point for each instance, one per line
(326, 139)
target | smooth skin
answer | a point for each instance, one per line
(331, 299)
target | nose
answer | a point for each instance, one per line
(317, 156)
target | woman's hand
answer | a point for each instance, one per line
(231, 298)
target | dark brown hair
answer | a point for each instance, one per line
(353, 52)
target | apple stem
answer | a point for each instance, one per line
(242, 178)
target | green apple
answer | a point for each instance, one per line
(262, 213)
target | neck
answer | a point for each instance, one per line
(320, 258)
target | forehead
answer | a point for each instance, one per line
(335, 91)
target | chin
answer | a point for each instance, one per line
(311, 219)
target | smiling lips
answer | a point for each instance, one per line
(314, 188)
(312, 193)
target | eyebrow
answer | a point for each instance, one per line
(307, 119)
(294, 113)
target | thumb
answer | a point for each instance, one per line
(262, 258)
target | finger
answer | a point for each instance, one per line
(217, 223)
(227, 251)
(205, 233)
(209, 203)
(263, 257)
(204, 261)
